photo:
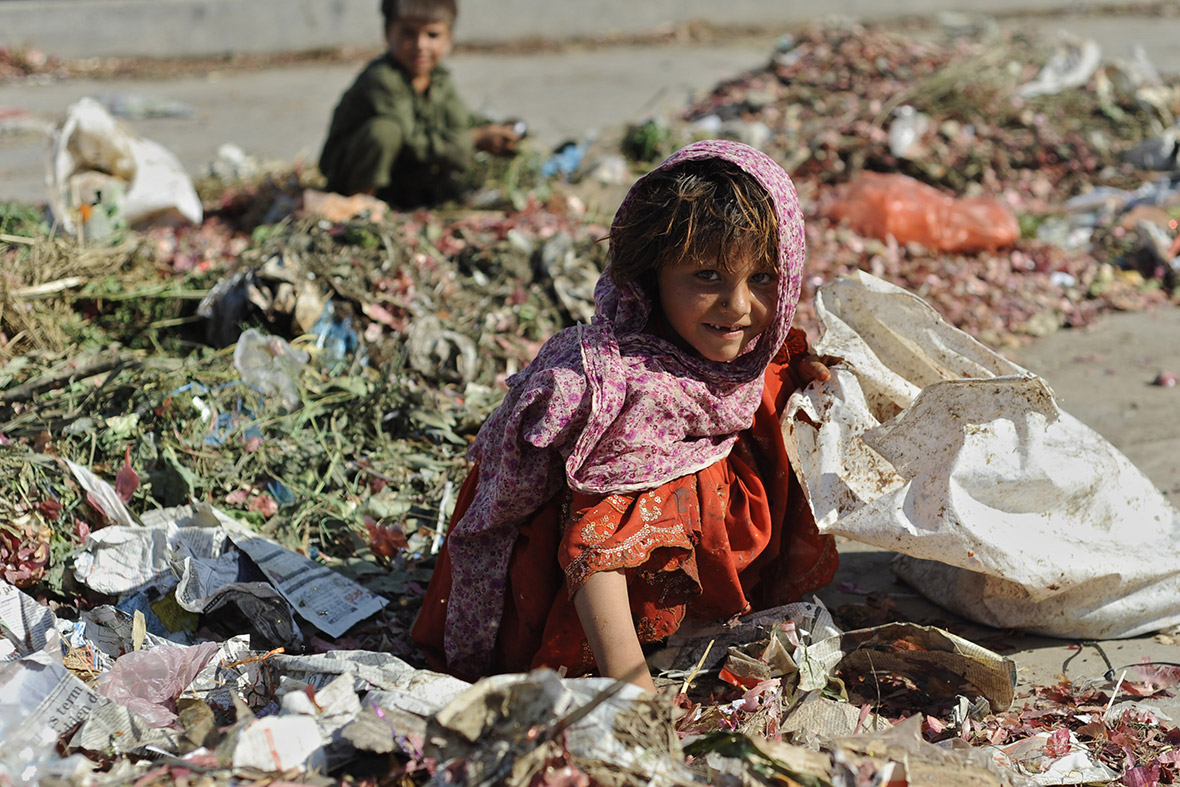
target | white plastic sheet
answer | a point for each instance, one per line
(102, 175)
(1005, 509)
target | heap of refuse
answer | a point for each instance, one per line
(1026, 183)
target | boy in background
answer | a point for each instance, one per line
(401, 132)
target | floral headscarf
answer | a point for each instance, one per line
(607, 408)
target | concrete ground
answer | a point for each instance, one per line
(1101, 374)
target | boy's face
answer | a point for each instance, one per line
(714, 311)
(418, 45)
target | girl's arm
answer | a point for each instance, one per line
(605, 611)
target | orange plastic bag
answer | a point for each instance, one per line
(878, 205)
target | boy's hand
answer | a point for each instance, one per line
(497, 139)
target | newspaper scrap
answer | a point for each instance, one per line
(256, 608)
(508, 728)
(110, 727)
(236, 672)
(38, 692)
(900, 755)
(27, 627)
(332, 707)
(329, 601)
(120, 559)
(123, 558)
(278, 744)
(41, 700)
(818, 718)
(801, 642)
(414, 690)
(1029, 756)
(697, 646)
(911, 650)
(108, 632)
(199, 548)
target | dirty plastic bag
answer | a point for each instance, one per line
(148, 681)
(878, 205)
(1071, 66)
(271, 364)
(101, 176)
(1005, 509)
(906, 131)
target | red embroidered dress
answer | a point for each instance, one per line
(617, 448)
(733, 537)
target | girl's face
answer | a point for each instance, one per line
(714, 311)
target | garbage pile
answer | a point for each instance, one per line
(1077, 152)
(229, 447)
(122, 693)
(28, 63)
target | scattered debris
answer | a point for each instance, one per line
(229, 444)
(1166, 379)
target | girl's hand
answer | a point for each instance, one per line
(604, 609)
(809, 368)
(804, 365)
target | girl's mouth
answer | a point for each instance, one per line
(724, 328)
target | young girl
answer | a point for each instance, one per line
(635, 473)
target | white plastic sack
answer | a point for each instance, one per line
(1005, 509)
(101, 175)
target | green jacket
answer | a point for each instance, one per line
(427, 154)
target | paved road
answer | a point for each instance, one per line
(181, 28)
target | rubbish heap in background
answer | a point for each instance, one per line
(905, 133)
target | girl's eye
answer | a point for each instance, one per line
(762, 278)
(708, 275)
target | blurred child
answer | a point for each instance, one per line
(401, 131)
(635, 474)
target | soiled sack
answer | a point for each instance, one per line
(1005, 509)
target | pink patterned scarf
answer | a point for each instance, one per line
(606, 408)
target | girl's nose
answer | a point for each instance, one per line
(736, 299)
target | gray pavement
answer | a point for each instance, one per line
(173, 28)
